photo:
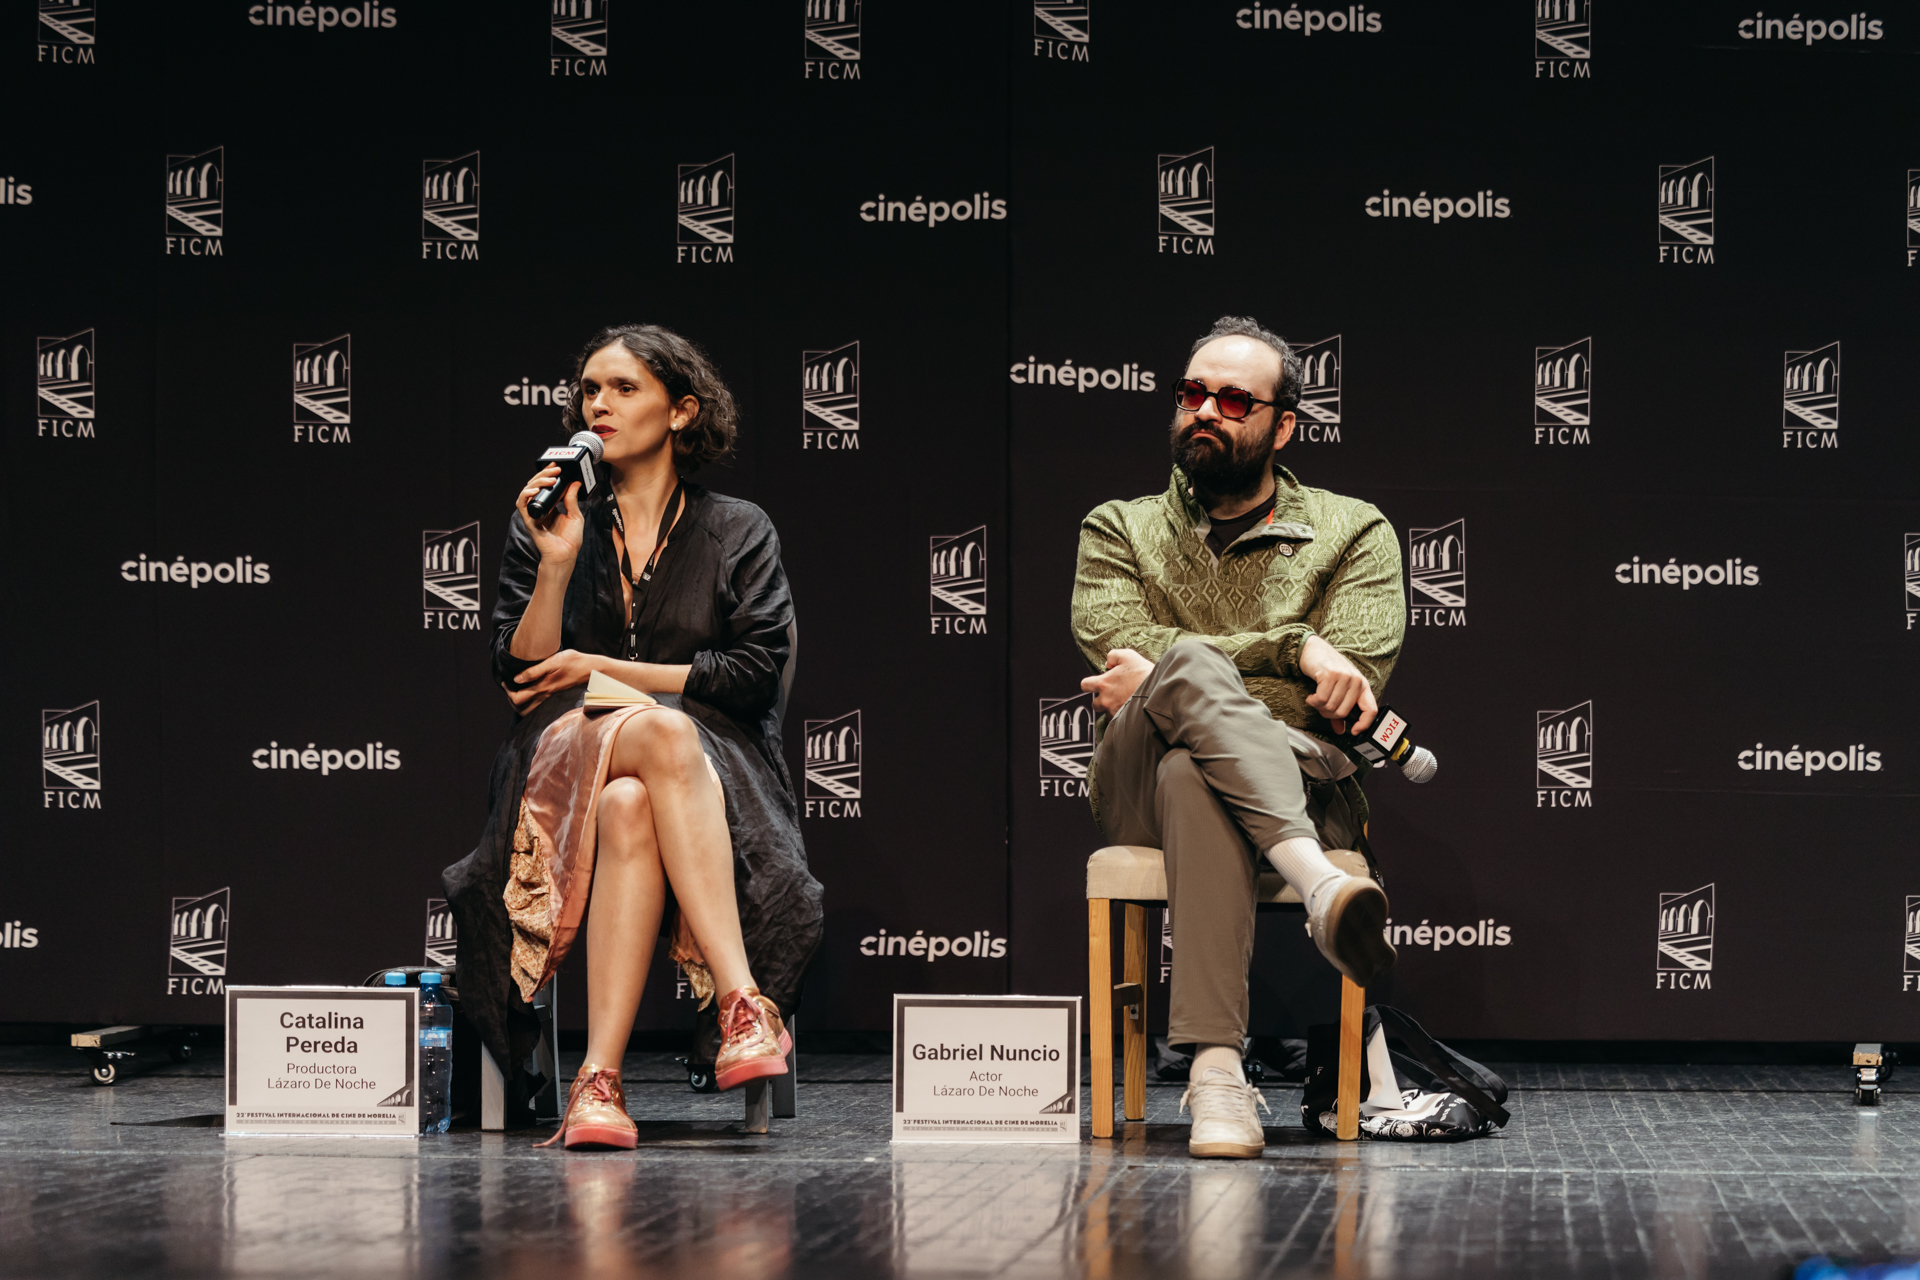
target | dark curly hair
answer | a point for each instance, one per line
(685, 370)
(1286, 397)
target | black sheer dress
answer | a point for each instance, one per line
(719, 602)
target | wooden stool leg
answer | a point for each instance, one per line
(1353, 1005)
(1100, 1010)
(1134, 1029)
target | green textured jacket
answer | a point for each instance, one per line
(1323, 565)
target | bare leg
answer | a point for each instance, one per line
(662, 749)
(623, 917)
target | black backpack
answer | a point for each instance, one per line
(1444, 1097)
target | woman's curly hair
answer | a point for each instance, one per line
(685, 370)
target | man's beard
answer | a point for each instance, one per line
(1226, 467)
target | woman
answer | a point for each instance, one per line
(608, 817)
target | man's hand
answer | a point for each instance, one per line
(1125, 670)
(1342, 688)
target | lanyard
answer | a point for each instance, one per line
(667, 519)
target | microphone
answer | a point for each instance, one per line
(1387, 743)
(576, 458)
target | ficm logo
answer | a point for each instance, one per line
(1810, 398)
(577, 38)
(450, 208)
(1685, 956)
(66, 31)
(1562, 39)
(64, 382)
(1910, 967)
(957, 583)
(705, 232)
(1066, 744)
(832, 777)
(1063, 29)
(1563, 393)
(1186, 203)
(329, 760)
(1437, 576)
(830, 398)
(196, 204)
(1913, 215)
(197, 945)
(1085, 377)
(980, 944)
(70, 758)
(1686, 212)
(443, 942)
(833, 40)
(1563, 758)
(1911, 595)
(323, 391)
(450, 578)
(1319, 411)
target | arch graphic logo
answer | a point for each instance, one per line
(197, 945)
(1437, 576)
(1810, 399)
(1910, 967)
(450, 578)
(1911, 592)
(577, 38)
(1063, 29)
(70, 758)
(1562, 39)
(1563, 393)
(1186, 203)
(1563, 758)
(705, 231)
(450, 208)
(1685, 957)
(832, 777)
(830, 398)
(1686, 212)
(63, 379)
(443, 942)
(1066, 744)
(196, 204)
(957, 583)
(833, 40)
(323, 391)
(1913, 215)
(1319, 411)
(66, 31)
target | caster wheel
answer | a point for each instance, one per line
(105, 1074)
(700, 1080)
(180, 1052)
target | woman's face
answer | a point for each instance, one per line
(627, 407)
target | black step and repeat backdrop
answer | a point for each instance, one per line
(1610, 308)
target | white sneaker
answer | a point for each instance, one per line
(1224, 1123)
(1348, 923)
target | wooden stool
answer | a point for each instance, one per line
(1137, 876)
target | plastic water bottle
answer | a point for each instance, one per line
(436, 1056)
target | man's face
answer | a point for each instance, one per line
(1219, 455)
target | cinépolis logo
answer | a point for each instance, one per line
(832, 40)
(1317, 417)
(1562, 39)
(323, 391)
(1066, 744)
(17, 193)
(450, 208)
(980, 944)
(957, 583)
(17, 933)
(1437, 576)
(577, 38)
(1563, 393)
(1851, 27)
(450, 578)
(1910, 592)
(1437, 209)
(70, 758)
(1185, 203)
(326, 761)
(1352, 20)
(197, 944)
(1684, 957)
(704, 232)
(1650, 572)
(1854, 759)
(1085, 377)
(832, 774)
(1563, 758)
(527, 392)
(830, 399)
(1438, 937)
(240, 571)
(976, 206)
(366, 16)
(1686, 213)
(1810, 399)
(63, 378)
(196, 204)
(1063, 30)
(66, 31)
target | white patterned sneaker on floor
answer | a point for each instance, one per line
(1224, 1122)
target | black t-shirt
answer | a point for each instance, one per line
(1224, 532)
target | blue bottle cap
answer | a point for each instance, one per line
(396, 979)
(430, 979)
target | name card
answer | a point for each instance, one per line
(986, 1068)
(340, 1060)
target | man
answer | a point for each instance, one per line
(1234, 604)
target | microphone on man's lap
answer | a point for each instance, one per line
(576, 458)
(1386, 742)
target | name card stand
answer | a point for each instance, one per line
(342, 1061)
(986, 1068)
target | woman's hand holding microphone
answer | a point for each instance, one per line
(558, 540)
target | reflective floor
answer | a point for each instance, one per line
(1697, 1171)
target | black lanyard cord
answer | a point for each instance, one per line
(667, 520)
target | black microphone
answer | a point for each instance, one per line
(1386, 742)
(576, 458)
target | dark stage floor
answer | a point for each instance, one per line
(1605, 1171)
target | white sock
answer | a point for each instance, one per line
(1305, 866)
(1224, 1056)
